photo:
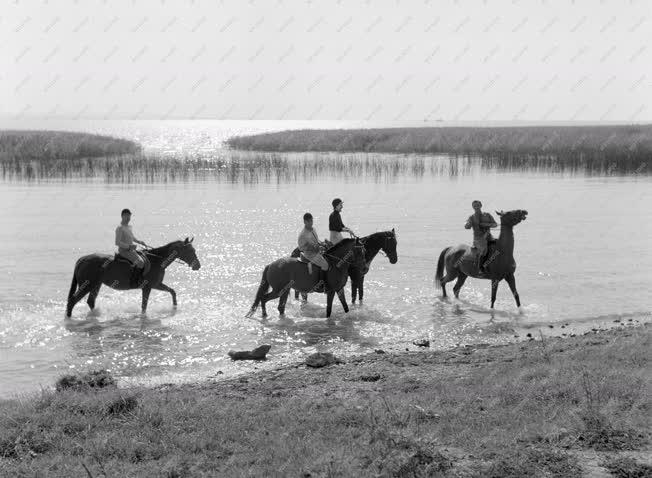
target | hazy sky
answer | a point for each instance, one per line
(378, 60)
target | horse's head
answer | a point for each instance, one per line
(512, 218)
(186, 252)
(389, 246)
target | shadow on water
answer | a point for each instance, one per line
(251, 168)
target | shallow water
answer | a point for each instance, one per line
(583, 259)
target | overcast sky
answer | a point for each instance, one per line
(350, 60)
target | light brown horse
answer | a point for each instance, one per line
(460, 261)
(93, 270)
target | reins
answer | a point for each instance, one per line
(149, 249)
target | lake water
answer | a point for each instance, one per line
(583, 256)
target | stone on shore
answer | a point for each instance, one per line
(321, 359)
(259, 353)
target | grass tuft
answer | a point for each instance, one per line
(94, 379)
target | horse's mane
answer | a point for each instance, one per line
(377, 234)
(162, 249)
(340, 244)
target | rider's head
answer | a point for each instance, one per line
(126, 215)
(476, 205)
(337, 204)
(307, 220)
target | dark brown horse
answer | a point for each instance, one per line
(290, 273)
(499, 261)
(93, 270)
(374, 243)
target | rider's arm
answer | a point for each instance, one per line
(468, 224)
(489, 222)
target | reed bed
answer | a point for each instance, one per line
(52, 145)
(606, 148)
(46, 156)
(241, 167)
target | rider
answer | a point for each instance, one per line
(481, 222)
(124, 239)
(335, 225)
(312, 247)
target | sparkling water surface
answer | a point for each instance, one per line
(583, 260)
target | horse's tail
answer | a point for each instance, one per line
(262, 290)
(71, 292)
(439, 275)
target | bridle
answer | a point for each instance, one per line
(387, 238)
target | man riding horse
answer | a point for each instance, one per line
(124, 239)
(480, 222)
(335, 225)
(311, 247)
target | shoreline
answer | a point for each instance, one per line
(557, 405)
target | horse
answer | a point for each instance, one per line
(461, 261)
(385, 241)
(288, 272)
(93, 270)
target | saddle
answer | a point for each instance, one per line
(304, 260)
(136, 274)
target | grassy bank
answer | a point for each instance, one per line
(623, 147)
(558, 407)
(52, 145)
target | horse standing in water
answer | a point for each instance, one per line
(93, 270)
(291, 273)
(460, 261)
(374, 243)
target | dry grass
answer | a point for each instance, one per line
(515, 410)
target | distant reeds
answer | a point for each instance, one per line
(49, 145)
(74, 156)
(621, 148)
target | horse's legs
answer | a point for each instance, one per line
(282, 301)
(146, 291)
(494, 289)
(447, 278)
(93, 295)
(342, 297)
(511, 281)
(266, 298)
(304, 296)
(83, 289)
(329, 303)
(361, 289)
(165, 288)
(461, 278)
(354, 290)
(296, 294)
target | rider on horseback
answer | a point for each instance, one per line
(311, 247)
(124, 239)
(335, 225)
(481, 222)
